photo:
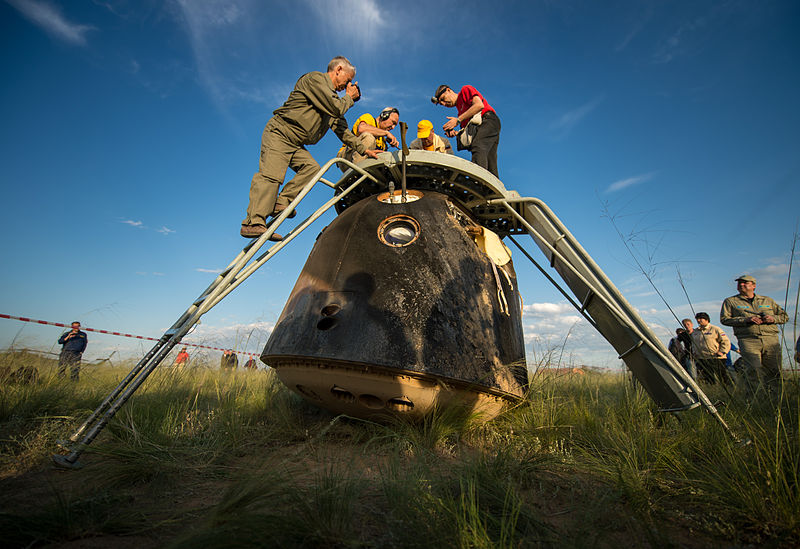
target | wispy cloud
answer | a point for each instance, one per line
(565, 123)
(213, 271)
(365, 21)
(133, 223)
(630, 181)
(49, 18)
(676, 43)
(202, 21)
(165, 230)
(635, 29)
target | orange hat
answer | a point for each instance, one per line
(424, 128)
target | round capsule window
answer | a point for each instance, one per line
(398, 231)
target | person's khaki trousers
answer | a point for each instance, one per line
(277, 154)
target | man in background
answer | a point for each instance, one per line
(312, 107)
(229, 360)
(686, 338)
(427, 140)
(755, 319)
(73, 343)
(710, 346)
(182, 359)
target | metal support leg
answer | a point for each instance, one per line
(229, 279)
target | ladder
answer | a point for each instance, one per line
(604, 307)
(239, 269)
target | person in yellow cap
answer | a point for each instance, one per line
(755, 320)
(373, 133)
(427, 140)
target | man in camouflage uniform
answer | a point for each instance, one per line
(312, 107)
(755, 320)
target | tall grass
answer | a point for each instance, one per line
(583, 460)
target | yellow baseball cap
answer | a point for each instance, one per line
(424, 128)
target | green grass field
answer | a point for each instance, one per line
(199, 458)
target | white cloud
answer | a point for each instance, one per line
(365, 22)
(243, 337)
(630, 181)
(50, 19)
(211, 13)
(547, 308)
(213, 271)
(165, 230)
(567, 121)
(676, 44)
(132, 223)
(774, 277)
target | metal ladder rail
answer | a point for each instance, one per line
(623, 307)
(149, 355)
(259, 261)
(222, 285)
(610, 297)
(628, 318)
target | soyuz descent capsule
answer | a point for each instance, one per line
(404, 304)
(409, 300)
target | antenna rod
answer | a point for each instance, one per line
(404, 152)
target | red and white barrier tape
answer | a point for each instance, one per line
(59, 324)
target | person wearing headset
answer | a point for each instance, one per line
(374, 134)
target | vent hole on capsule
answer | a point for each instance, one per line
(330, 310)
(342, 394)
(327, 323)
(400, 404)
(370, 401)
(305, 391)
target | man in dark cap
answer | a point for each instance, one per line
(469, 102)
(755, 320)
(710, 346)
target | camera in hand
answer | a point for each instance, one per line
(359, 93)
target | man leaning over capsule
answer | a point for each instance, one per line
(313, 106)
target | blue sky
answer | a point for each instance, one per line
(131, 129)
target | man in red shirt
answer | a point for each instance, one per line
(469, 102)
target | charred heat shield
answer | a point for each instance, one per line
(400, 308)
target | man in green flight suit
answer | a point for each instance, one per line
(755, 320)
(312, 107)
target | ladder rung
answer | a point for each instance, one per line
(587, 300)
(553, 255)
(629, 351)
